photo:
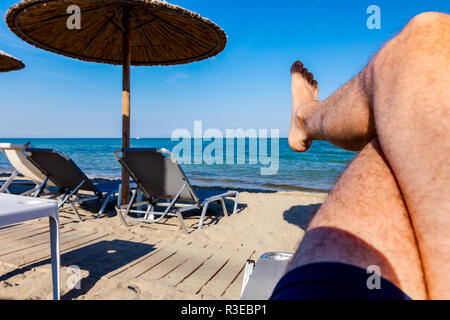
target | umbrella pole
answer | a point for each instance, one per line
(126, 100)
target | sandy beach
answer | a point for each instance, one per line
(156, 261)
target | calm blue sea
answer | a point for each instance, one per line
(317, 169)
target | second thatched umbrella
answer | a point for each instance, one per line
(9, 63)
(122, 32)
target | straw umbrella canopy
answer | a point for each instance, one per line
(9, 63)
(120, 32)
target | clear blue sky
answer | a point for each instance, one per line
(246, 86)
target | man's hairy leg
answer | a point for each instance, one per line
(404, 94)
(364, 222)
(412, 115)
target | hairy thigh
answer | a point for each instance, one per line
(364, 222)
(412, 116)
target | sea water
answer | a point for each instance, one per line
(316, 170)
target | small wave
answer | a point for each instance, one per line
(293, 188)
(220, 180)
(103, 176)
(233, 183)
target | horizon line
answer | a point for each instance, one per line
(136, 138)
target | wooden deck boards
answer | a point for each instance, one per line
(228, 274)
(200, 268)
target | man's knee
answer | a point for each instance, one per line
(429, 21)
(425, 35)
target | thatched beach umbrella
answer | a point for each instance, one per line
(121, 32)
(9, 63)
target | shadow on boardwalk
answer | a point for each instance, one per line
(98, 259)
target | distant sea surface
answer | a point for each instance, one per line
(315, 170)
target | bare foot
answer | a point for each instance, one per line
(305, 95)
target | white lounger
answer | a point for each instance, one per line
(16, 156)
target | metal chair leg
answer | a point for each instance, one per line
(127, 211)
(180, 218)
(75, 210)
(202, 217)
(119, 214)
(236, 202)
(39, 188)
(224, 207)
(105, 203)
(119, 198)
(4, 187)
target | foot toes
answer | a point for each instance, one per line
(310, 78)
(297, 67)
(305, 73)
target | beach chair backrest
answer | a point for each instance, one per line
(156, 174)
(16, 156)
(61, 170)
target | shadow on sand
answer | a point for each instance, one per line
(301, 216)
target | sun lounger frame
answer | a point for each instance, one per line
(72, 196)
(176, 206)
(16, 156)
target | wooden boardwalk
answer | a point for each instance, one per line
(156, 261)
(199, 268)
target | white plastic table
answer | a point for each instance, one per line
(16, 209)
